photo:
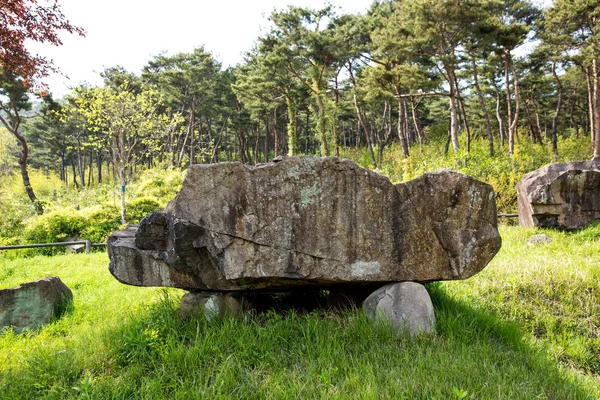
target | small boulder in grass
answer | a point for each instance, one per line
(33, 304)
(212, 305)
(405, 305)
(540, 239)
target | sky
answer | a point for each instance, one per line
(130, 32)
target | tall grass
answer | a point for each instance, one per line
(526, 327)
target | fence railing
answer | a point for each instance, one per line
(87, 243)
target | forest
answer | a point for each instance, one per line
(487, 73)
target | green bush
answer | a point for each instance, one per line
(139, 208)
(54, 226)
(101, 221)
(160, 184)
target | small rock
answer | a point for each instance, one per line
(406, 305)
(76, 248)
(539, 239)
(211, 305)
(33, 304)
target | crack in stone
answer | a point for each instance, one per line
(271, 246)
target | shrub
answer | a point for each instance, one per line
(101, 221)
(160, 184)
(139, 208)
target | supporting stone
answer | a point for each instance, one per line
(406, 306)
(212, 305)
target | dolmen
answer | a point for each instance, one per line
(302, 222)
(560, 195)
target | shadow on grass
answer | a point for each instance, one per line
(319, 354)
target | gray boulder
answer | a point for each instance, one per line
(212, 305)
(406, 306)
(33, 304)
(309, 221)
(560, 195)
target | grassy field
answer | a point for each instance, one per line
(527, 327)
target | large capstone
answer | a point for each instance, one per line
(304, 221)
(561, 195)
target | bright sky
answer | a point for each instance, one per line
(130, 32)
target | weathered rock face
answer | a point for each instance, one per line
(561, 195)
(309, 221)
(33, 304)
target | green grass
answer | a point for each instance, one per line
(526, 327)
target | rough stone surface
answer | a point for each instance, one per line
(405, 305)
(539, 239)
(561, 195)
(33, 304)
(211, 305)
(309, 221)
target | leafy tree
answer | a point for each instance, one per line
(27, 20)
(130, 121)
(188, 82)
(22, 21)
(305, 41)
(13, 100)
(514, 23)
(579, 20)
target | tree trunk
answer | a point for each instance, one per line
(488, 123)
(99, 165)
(402, 128)
(556, 111)
(256, 143)
(361, 120)
(275, 135)
(292, 127)
(80, 164)
(418, 130)
(321, 126)
(596, 110)
(23, 166)
(464, 114)
(386, 125)
(453, 112)
(91, 171)
(499, 118)
(512, 128)
(572, 119)
(590, 93)
(74, 173)
(122, 182)
(538, 123)
(191, 133)
(511, 133)
(536, 133)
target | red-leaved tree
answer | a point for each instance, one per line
(20, 71)
(22, 20)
